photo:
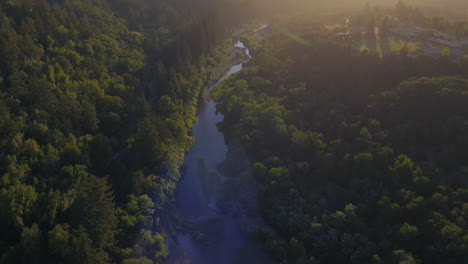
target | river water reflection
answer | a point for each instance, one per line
(221, 208)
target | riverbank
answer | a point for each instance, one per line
(217, 197)
(235, 55)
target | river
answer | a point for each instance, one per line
(221, 207)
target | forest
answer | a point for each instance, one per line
(358, 151)
(359, 157)
(97, 99)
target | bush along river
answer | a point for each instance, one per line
(217, 196)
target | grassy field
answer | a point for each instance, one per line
(397, 45)
(364, 47)
(382, 46)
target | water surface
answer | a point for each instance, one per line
(222, 209)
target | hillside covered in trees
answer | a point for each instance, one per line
(359, 157)
(97, 99)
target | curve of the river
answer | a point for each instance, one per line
(221, 208)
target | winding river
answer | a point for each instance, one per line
(217, 196)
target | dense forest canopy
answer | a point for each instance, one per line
(97, 99)
(359, 151)
(359, 156)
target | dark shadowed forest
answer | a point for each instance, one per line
(359, 157)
